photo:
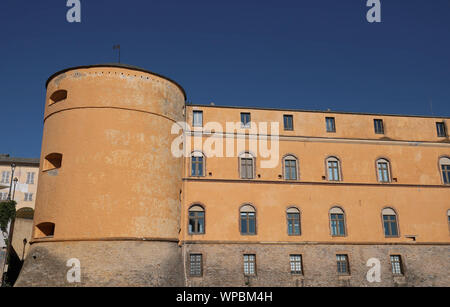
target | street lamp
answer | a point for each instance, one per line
(14, 190)
(13, 167)
(24, 245)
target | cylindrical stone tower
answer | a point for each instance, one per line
(109, 187)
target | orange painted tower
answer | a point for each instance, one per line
(109, 187)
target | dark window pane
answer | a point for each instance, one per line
(441, 132)
(379, 128)
(288, 122)
(331, 127)
(245, 120)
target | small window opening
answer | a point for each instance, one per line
(45, 230)
(58, 96)
(52, 161)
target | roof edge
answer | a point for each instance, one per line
(313, 111)
(115, 65)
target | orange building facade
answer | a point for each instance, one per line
(255, 197)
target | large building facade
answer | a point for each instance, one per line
(244, 197)
(19, 176)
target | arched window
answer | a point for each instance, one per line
(444, 164)
(26, 213)
(197, 164)
(337, 221)
(196, 220)
(248, 220)
(333, 169)
(383, 170)
(290, 167)
(390, 224)
(293, 221)
(246, 166)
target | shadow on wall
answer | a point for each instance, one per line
(23, 227)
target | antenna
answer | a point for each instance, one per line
(431, 107)
(117, 47)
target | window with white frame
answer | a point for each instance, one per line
(337, 222)
(444, 164)
(30, 177)
(28, 196)
(197, 164)
(333, 169)
(5, 177)
(246, 166)
(383, 170)
(390, 223)
(296, 264)
(197, 118)
(290, 167)
(250, 264)
(195, 265)
(396, 263)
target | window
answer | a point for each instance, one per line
(331, 125)
(5, 177)
(195, 265)
(444, 163)
(45, 230)
(296, 264)
(3, 196)
(293, 221)
(333, 169)
(197, 118)
(52, 161)
(448, 218)
(30, 178)
(337, 222)
(246, 162)
(196, 220)
(390, 222)
(343, 267)
(378, 124)
(288, 121)
(383, 168)
(250, 264)
(441, 131)
(248, 220)
(245, 120)
(290, 168)
(396, 263)
(58, 96)
(28, 197)
(197, 164)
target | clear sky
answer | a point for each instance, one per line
(302, 54)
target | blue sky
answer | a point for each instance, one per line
(302, 54)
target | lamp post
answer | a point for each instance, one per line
(14, 189)
(13, 167)
(24, 245)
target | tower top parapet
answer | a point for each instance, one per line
(115, 65)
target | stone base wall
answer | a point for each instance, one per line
(104, 263)
(153, 264)
(423, 265)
